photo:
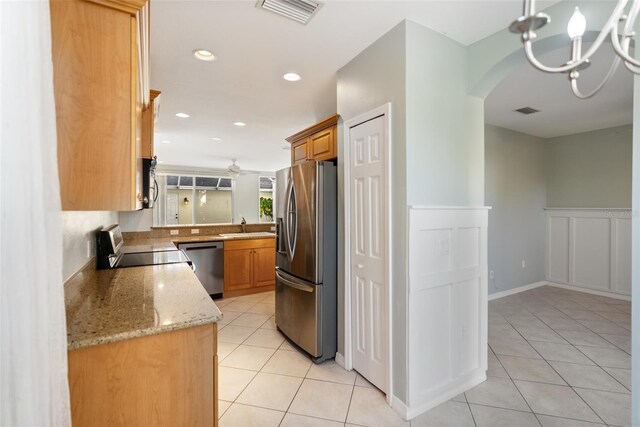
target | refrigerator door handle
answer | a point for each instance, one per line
(294, 198)
(292, 284)
(281, 246)
(285, 221)
(290, 199)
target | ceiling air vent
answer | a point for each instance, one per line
(299, 10)
(527, 110)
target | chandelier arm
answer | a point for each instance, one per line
(607, 77)
(630, 67)
(608, 27)
(623, 52)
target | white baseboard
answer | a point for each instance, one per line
(589, 291)
(411, 412)
(476, 379)
(340, 360)
(519, 289)
(400, 407)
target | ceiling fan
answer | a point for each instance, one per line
(234, 170)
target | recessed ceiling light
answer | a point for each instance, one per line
(217, 138)
(239, 124)
(182, 115)
(292, 77)
(204, 55)
(167, 142)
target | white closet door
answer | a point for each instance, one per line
(368, 284)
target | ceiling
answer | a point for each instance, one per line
(254, 48)
(561, 113)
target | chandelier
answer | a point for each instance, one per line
(620, 40)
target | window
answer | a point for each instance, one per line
(267, 186)
(209, 201)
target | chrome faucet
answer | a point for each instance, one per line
(243, 223)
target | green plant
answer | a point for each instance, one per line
(266, 207)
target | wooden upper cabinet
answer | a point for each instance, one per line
(149, 117)
(317, 142)
(323, 144)
(99, 55)
(299, 152)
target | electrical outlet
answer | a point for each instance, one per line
(443, 246)
(195, 231)
(174, 232)
(524, 264)
(492, 275)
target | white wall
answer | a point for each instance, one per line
(516, 190)
(635, 249)
(445, 126)
(590, 169)
(590, 248)
(141, 220)
(434, 160)
(247, 198)
(79, 232)
(373, 78)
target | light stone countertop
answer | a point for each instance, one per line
(170, 243)
(104, 306)
(123, 303)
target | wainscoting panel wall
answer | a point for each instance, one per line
(590, 248)
(447, 303)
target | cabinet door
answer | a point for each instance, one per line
(264, 267)
(148, 118)
(299, 152)
(322, 145)
(238, 269)
(98, 106)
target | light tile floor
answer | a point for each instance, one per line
(557, 358)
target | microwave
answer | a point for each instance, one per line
(149, 183)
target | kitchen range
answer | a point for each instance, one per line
(109, 254)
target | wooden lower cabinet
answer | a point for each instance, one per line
(249, 266)
(166, 379)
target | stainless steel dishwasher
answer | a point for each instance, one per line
(208, 259)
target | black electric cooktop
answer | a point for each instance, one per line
(137, 259)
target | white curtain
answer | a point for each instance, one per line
(33, 355)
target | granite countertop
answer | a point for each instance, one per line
(111, 305)
(168, 243)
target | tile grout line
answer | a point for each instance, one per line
(473, 418)
(527, 341)
(585, 355)
(346, 416)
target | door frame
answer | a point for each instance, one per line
(383, 110)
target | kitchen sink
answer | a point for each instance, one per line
(254, 234)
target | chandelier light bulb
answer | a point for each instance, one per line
(577, 24)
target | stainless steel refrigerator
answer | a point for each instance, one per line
(306, 257)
